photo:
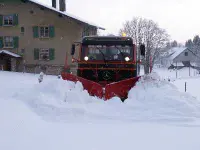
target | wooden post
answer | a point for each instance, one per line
(189, 70)
(185, 86)
(176, 70)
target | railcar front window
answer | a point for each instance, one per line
(108, 52)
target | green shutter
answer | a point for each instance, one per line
(36, 54)
(51, 54)
(1, 20)
(16, 41)
(35, 32)
(15, 19)
(1, 42)
(51, 31)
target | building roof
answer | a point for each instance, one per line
(174, 52)
(66, 14)
(9, 53)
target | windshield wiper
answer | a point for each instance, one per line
(102, 54)
(121, 52)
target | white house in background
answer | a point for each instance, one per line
(180, 56)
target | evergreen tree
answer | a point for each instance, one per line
(189, 43)
(174, 43)
(196, 40)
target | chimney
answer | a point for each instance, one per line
(62, 5)
(54, 3)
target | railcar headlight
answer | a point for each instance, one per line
(127, 58)
(86, 58)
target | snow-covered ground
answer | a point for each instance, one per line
(192, 86)
(187, 76)
(179, 74)
(57, 114)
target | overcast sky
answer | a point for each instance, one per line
(179, 17)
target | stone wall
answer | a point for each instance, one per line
(47, 69)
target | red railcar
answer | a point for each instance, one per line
(107, 66)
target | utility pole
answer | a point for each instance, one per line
(176, 70)
(189, 70)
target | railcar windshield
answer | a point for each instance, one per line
(104, 52)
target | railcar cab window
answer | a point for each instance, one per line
(101, 52)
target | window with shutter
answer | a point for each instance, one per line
(8, 20)
(44, 32)
(8, 42)
(44, 54)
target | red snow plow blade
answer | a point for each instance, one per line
(93, 88)
(119, 89)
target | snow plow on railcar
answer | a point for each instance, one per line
(107, 66)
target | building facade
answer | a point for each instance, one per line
(35, 37)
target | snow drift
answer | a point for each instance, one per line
(156, 99)
(152, 99)
(100, 125)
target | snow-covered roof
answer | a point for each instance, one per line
(174, 52)
(67, 14)
(9, 53)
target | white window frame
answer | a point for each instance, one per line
(11, 40)
(4, 18)
(45, 35)
(42, 52)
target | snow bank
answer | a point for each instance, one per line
(156, 99)
(152, 99)
(56, 99)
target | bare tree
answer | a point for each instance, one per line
(149, 33)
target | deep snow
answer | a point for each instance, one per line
(151, 100)
(179, 74)
(57, 114)
(191, 79)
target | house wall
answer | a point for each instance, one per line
(66, 32)
(166, 62)
(191, 57)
